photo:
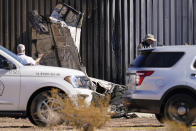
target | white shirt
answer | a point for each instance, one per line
(27, 59)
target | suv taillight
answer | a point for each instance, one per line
(140, 76)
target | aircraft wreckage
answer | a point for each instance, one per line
(58, 38)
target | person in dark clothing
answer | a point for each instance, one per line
(148, 41)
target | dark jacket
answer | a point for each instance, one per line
(144, 44)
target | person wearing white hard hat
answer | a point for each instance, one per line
(148, 41)
(27, 59)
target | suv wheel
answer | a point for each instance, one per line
(180, 108)
(45, 110)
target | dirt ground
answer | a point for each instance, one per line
(117, 124)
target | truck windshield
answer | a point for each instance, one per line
(13, 55)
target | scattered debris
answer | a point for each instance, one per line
(58, 38)
(115, 91)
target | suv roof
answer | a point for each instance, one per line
(184, 48)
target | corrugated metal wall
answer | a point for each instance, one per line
(111, 28)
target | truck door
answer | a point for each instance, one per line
(9, 85)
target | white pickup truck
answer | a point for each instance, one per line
(22, 87)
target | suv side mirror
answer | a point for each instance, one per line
(8, 66)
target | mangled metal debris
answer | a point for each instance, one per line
(115, 91)
(69, 18)
(38, 22)
(58, 38)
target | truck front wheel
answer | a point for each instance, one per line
(45, 110)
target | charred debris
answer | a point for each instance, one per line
(58, 38)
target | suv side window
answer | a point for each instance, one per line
(158, 59)
(2, 60)
(194, 65)
(6, 64)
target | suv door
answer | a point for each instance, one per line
(9, 85)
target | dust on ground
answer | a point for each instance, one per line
(117, 124)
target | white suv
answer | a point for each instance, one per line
(23, 88)
(162, 80)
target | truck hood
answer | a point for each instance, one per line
(49, 71)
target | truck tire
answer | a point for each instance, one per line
(45, 110)
(180, 108)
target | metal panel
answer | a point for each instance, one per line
(89, 20)
(143, 18)
(114, 72)
(155, 18)
(166, 22)
(101, 38)
(7, 21)
(1, 21)
(190, 22)
(172, 22)
(137, 23)
(178, 22)
(194, 15)
(95, 40)
(12, 26)
(107, 42)
(111, 29)
(131, 44)
(185, 22)
(160, 23)
(149, 16)
(83, 44)
(118, 43)
(125, 38)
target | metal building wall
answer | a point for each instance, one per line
(111, 28)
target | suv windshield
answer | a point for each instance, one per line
(157, 59)
(13, 55)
